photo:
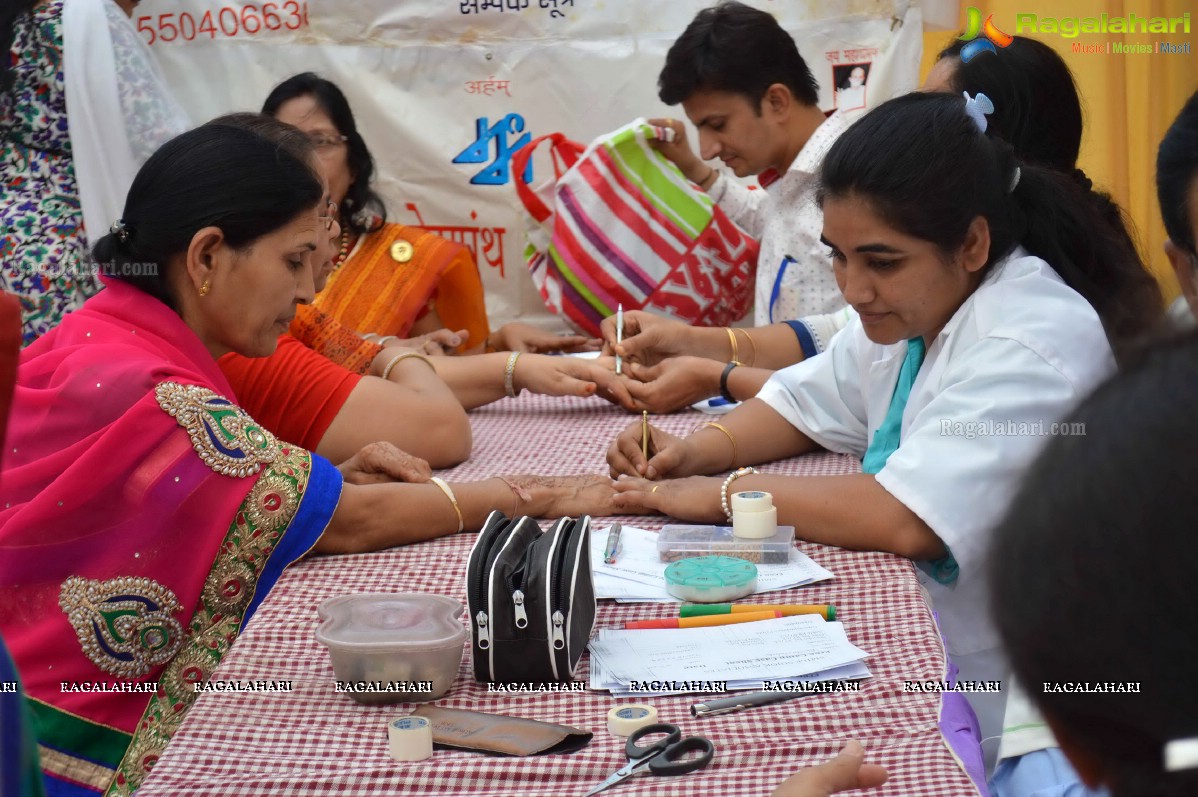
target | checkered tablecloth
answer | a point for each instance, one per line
(313, 741)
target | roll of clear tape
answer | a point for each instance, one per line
(754, 516)
(409, 739)
(624, 720)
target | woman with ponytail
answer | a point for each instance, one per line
(982, 286)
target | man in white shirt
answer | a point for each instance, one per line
(742, 83)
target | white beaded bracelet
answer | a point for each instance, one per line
(733, 476)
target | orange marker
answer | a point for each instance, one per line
(702, 622)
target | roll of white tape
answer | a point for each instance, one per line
(624, 720)
(754, 516)
(410, 739)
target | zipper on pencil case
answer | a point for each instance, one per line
(579, 536)
(554, 617)
(479, 597)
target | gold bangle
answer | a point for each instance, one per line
(735, 347)
(452, 499)
(509, 375)
(403, 356)
(752, 361)
(723, 429)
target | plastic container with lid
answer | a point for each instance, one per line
(393, 647)
(685, 542)
(711, 579)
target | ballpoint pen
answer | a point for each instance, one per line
(619, 334)
(613, 543)
(723, 705)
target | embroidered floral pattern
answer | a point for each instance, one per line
(41, 225)
(223, 434)
(223, 603)
(124, 625)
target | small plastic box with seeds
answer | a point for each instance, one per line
(684, 542)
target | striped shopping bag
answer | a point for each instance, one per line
(619, 224)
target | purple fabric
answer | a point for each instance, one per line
(959, 725)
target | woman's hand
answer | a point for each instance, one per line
(515, 336)
(647, 338)
(569, 376)
(845, 772)
(563, 496)
(673, 384)
(667, 454)
(679, 150)
(695, 498)
(382, 462)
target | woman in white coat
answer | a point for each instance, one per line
(982, 287)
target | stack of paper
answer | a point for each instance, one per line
(740, 656)
(639, 574)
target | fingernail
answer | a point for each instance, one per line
(455, 341)
(651, 472)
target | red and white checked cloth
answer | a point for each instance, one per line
(313, 741)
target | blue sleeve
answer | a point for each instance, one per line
(806, 340)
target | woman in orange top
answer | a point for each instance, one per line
(390, 280)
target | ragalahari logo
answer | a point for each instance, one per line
(993, 36)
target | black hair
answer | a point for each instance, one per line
(734, 47)
(1037, 109)
(924, 167)
(1091, 571)
(10, 11)
(220, 174)
(1176, 170)
(361, 203)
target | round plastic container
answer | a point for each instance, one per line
(393, 648)
(711, 579)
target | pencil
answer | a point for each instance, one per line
(645, 434)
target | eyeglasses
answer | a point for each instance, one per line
(328, 220)
(322, 141)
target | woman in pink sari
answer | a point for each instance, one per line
(145, 516)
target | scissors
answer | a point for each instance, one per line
(662, 756)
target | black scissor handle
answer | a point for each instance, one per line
(637, 751)
(671, 762)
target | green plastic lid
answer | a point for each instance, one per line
(711, 572)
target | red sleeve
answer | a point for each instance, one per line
(295, 393)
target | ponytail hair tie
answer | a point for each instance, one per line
(978, 108)
(120, 230)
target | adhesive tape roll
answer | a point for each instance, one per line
(410, 739)
(624, 720)
(754, 515)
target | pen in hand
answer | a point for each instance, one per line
(619, 335)
(645, 434)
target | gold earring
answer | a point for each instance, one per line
(205, 288)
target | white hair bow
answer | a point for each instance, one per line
(977, 108)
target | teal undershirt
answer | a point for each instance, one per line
(886, 442)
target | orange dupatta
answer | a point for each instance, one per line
(384, 286)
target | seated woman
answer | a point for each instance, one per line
(316, 390)
(145, 514)
(1036, 110)
(390, 280)
(982, 295)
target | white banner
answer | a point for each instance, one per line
(445, 90)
